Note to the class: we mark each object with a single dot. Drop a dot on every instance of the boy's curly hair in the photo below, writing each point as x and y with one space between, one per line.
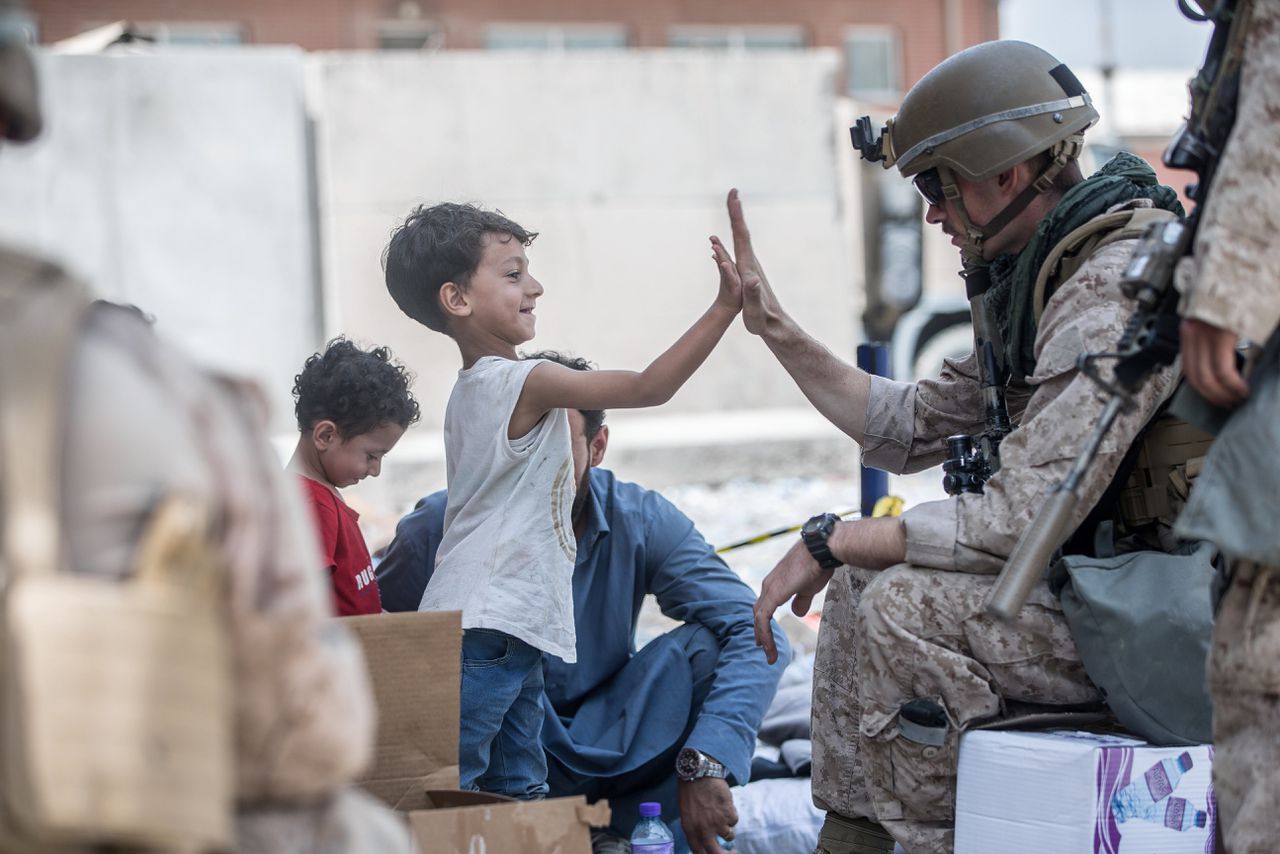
358 390
438 244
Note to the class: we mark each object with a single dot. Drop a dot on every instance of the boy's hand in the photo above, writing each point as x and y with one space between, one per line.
759 305
730 295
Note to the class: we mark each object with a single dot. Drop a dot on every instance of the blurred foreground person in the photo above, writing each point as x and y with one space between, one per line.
171 678
1231 291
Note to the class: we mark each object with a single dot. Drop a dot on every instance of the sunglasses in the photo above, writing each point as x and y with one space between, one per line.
929 185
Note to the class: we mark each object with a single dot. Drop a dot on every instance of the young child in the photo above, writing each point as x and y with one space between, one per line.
352 407
507 552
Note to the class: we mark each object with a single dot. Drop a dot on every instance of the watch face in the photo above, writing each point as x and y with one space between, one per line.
687 762
812 526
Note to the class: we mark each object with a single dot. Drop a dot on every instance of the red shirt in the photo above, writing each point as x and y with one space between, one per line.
355 591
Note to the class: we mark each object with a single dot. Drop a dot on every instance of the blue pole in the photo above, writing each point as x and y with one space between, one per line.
874 359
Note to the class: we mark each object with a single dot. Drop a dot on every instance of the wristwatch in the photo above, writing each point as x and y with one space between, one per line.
692 764
815 533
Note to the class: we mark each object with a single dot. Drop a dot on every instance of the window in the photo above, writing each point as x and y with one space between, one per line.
409 35
737 38
200 33
871 64
555 36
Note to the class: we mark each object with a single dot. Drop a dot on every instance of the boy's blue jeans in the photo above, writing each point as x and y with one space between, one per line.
500 737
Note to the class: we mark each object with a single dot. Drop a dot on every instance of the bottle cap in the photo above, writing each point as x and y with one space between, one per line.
650 809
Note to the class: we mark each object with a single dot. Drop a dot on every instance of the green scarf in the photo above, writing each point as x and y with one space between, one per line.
1009 300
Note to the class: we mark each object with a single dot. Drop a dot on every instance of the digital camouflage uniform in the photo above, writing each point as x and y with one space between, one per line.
1234 283
919 630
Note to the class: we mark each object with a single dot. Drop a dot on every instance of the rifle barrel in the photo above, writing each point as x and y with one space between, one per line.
1035 548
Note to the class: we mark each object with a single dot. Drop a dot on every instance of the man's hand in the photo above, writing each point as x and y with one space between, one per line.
706 809
796 575
760 307
1209 361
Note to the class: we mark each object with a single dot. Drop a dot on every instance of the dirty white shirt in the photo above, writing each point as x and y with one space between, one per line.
507 553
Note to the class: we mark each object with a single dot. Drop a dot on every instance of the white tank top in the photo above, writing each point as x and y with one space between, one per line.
507 553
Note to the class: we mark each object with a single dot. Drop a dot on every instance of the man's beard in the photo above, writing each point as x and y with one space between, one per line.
580 496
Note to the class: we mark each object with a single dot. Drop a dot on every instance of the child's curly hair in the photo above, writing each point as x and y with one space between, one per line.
358 390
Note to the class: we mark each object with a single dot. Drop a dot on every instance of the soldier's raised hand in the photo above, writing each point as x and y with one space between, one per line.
759 305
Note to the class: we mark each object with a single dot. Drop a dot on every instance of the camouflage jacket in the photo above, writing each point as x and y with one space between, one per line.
907 425
1233 279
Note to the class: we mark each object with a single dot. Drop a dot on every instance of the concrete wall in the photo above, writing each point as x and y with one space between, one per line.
622 163
180 182
186 182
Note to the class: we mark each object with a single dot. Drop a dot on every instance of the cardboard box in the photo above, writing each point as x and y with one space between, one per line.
415 665
1082 793
474 823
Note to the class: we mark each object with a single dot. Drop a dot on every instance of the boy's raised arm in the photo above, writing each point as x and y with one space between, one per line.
550 386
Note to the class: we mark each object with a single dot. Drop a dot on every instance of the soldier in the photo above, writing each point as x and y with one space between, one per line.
140 424
1231 291
908 658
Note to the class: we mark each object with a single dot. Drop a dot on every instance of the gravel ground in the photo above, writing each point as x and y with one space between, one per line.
742 508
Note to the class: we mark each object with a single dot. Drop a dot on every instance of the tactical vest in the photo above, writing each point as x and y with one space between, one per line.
115 694
1153 483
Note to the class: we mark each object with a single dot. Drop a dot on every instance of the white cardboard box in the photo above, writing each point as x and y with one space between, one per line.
1081 793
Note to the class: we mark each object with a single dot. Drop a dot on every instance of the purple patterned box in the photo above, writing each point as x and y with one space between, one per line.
1082 793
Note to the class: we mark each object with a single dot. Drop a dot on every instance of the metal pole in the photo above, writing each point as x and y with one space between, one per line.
874 359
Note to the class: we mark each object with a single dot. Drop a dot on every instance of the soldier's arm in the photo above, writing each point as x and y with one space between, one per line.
1231 285
901 426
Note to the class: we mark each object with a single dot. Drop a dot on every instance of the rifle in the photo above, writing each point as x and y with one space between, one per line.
967 467
1150 339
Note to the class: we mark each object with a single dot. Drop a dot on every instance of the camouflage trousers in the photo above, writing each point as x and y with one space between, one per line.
1244 681
909 633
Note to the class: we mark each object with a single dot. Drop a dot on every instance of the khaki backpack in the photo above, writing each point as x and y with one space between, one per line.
115 693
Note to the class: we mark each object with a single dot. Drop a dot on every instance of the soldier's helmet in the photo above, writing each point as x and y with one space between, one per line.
986 109
19 98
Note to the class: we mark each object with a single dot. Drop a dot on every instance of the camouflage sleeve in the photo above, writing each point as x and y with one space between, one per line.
908 423
976 533
1233 280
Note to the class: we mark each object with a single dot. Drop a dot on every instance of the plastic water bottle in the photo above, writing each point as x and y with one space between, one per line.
651 836
1139 799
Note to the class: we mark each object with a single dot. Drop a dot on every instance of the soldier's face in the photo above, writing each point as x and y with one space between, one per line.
983 201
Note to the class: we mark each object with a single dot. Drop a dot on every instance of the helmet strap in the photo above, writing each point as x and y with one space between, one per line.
974 235
1062 153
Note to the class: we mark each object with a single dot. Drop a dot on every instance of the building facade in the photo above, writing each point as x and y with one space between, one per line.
884 47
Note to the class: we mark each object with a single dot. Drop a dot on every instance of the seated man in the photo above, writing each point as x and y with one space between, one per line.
623 725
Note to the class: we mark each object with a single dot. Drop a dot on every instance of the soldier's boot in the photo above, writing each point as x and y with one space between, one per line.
843 835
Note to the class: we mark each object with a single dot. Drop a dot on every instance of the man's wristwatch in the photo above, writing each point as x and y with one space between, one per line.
815 533
692 764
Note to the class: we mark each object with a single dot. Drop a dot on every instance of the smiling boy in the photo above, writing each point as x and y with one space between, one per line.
507 552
